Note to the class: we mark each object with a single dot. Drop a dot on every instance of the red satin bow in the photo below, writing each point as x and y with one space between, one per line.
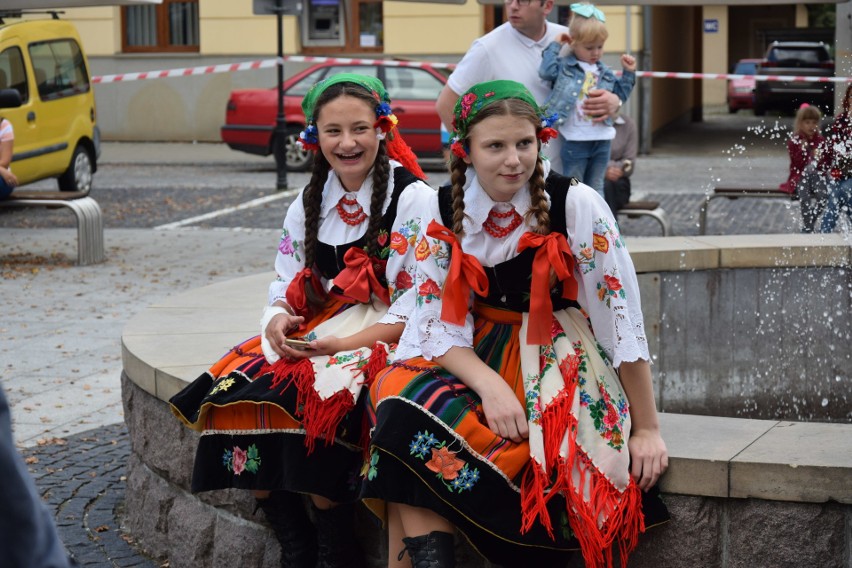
465 274
359 279
297 297
553 253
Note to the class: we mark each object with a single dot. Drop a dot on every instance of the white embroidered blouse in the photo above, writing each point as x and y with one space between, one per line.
289 259
608 288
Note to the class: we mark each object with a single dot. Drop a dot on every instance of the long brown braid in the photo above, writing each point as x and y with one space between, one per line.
458 167
312 196
539 208
312 201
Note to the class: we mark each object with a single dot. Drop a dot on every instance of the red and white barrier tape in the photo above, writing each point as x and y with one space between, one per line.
267 63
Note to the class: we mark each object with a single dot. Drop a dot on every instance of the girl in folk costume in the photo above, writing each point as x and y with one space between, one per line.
282 420
504 415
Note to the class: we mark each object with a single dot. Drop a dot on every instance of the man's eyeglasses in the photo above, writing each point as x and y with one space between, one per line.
520 2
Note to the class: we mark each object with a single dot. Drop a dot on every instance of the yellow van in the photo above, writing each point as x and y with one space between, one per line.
56 134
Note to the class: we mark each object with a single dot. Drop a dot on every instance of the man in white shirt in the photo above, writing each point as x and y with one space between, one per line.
513 51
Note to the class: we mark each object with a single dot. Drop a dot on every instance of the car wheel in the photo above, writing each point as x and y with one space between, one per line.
731 109
297 158
78 176
759 109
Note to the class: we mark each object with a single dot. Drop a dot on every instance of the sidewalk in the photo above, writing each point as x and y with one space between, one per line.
60 335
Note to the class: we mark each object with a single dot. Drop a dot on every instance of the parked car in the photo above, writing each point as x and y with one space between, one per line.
795 58
56 132
741 91
251 113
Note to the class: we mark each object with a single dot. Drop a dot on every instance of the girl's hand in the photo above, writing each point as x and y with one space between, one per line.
628 62
323 346
276 332
504 414
9 177
648 456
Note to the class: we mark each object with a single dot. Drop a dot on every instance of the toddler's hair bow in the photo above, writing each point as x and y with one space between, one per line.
588 11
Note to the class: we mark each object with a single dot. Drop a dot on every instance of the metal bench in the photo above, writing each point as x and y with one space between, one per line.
736 192
634 209
90 225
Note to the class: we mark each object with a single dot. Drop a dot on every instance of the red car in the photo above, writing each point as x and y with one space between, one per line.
741 91
251 113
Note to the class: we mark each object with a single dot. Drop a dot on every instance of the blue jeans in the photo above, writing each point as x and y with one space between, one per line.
586 161
5 189
839 199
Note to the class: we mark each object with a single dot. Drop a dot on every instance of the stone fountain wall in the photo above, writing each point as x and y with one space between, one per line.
728 332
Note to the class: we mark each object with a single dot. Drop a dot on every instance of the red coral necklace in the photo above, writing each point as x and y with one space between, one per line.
498 232
354 217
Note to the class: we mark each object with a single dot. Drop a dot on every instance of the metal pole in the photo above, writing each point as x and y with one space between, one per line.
280 135
645 83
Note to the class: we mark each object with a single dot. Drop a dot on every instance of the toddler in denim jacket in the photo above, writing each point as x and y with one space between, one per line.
585 139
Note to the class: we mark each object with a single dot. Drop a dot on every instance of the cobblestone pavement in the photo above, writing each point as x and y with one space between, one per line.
82 480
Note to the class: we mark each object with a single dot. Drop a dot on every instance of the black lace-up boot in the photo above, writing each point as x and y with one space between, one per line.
286 514
434 550
338 544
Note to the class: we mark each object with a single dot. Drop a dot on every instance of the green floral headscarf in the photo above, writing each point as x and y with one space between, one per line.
385 119
481 95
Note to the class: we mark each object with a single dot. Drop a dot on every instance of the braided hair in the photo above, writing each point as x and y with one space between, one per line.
312 196
539 208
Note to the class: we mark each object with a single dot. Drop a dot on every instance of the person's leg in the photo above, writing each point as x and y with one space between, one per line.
28 535
832 208
396 547
337 544
574 159
846 199
430 542
808 205
285 512
596 164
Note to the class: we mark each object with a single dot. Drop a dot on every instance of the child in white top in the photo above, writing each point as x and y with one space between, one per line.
585 139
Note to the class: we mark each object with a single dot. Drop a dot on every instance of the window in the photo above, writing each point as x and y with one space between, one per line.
410 83
337 26
59 69
12 72
170 26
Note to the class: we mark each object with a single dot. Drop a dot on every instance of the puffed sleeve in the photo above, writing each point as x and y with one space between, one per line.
426 333
608 288
290 258
399 272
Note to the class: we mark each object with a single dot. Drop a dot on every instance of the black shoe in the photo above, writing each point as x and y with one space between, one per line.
286 514
434 550
337 544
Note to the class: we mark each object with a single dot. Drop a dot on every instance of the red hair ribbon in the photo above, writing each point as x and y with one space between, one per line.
553 254
297 297
465 274
359 279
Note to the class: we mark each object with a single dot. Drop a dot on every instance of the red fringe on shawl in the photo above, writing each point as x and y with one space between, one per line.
378 361
320 416
622 511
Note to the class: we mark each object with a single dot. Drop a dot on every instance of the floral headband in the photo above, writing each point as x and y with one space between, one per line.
481 95
385 119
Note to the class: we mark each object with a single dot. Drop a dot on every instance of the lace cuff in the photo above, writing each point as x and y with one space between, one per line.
631 344
438 336
400 309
